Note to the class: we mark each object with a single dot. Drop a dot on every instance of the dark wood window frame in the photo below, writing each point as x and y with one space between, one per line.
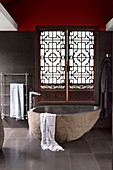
37 73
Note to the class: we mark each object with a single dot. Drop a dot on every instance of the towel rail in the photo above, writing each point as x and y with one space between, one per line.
14 74
3 94
9 84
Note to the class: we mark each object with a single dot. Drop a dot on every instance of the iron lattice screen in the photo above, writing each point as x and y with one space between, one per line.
81 60
52 62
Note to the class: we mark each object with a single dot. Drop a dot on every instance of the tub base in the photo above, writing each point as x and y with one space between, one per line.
69 127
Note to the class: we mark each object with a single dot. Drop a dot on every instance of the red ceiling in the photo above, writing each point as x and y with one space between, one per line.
5 1
31 13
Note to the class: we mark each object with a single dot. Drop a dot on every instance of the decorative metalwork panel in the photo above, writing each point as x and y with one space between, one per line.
81 86
81 60
52 61
52 86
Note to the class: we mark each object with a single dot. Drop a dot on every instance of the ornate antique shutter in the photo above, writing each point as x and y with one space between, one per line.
81 66
52 66
66 65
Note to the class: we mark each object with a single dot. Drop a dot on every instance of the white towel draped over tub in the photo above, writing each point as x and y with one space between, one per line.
17 101
47 126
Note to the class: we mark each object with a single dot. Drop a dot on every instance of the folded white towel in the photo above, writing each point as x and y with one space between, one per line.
17 101
47 126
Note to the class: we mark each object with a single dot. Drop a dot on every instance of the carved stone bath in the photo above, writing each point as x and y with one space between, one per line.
72 121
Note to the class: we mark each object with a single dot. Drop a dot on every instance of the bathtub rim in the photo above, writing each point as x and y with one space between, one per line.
32 110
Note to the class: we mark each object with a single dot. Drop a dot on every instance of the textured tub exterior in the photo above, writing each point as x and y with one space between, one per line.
68 127
1 134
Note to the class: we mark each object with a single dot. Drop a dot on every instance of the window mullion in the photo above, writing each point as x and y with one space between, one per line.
67 50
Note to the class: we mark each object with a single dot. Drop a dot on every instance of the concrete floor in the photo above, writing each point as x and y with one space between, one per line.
21 151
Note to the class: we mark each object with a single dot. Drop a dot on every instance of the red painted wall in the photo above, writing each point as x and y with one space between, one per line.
31 13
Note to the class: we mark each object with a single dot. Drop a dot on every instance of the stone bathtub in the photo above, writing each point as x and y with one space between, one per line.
72 121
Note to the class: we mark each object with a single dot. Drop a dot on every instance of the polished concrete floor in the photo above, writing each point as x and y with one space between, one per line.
22 151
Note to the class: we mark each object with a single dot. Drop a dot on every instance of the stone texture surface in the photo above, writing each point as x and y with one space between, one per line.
1 134
68 127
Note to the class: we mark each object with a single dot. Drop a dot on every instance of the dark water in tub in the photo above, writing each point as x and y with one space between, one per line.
65 109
